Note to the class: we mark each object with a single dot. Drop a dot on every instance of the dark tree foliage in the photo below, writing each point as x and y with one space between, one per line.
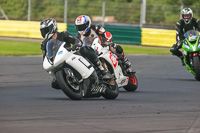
158 12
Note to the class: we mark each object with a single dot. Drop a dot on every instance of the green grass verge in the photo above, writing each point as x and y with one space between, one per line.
134 49
18 48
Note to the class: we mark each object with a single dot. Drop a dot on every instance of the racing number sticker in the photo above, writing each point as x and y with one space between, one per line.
87 64
113 59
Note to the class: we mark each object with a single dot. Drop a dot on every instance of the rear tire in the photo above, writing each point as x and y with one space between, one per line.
132 84
111 92
197 67
67 88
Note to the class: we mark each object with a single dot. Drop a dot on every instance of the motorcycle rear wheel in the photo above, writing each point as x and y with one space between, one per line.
197 67
69 90
132 84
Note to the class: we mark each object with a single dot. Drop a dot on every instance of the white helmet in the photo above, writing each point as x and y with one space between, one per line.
83 24
187 15
48 28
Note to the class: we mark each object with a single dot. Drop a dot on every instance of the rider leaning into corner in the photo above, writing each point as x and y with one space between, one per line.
118 50
186 23
49 30
86 29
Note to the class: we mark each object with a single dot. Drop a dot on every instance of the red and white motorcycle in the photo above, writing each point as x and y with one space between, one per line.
115 66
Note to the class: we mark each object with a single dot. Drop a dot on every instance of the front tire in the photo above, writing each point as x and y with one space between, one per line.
132 84
68 88
197 67
112 91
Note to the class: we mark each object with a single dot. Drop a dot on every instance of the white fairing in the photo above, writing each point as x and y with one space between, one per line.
81 65
112 59
76 61
46 65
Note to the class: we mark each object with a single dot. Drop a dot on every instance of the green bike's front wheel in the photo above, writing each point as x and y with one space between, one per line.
196 67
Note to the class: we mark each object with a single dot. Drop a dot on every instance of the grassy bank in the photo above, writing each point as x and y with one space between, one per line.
134 49
18 48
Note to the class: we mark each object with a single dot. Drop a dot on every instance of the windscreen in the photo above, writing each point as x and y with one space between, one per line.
88 41
191 35
52 48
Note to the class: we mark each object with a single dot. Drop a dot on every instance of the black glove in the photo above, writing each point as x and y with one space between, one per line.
114 45
119 49
76 47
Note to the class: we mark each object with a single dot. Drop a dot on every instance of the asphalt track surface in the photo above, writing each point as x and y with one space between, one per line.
167 101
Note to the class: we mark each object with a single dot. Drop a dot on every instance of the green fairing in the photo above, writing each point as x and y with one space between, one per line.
191 45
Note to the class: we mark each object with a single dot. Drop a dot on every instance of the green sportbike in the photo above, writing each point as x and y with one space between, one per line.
191 52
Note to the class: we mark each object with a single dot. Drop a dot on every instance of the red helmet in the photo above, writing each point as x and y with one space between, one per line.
108 37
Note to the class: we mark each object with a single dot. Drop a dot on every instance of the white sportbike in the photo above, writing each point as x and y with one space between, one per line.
75 75
116 67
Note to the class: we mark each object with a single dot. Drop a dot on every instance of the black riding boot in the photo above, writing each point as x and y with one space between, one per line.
175 51
54 84
127 64
182 58
106 75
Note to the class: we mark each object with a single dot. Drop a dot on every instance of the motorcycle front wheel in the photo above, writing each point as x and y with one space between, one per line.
197 67
70 89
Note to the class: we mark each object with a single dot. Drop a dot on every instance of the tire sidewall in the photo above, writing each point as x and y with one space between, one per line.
197 67
66 88
111 94
130 86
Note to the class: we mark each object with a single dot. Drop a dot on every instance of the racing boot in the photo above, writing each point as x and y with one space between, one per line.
175 51
105 74
127 64
182 60
54 84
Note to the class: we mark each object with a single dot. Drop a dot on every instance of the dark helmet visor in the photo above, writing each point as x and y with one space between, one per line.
46 30
82 27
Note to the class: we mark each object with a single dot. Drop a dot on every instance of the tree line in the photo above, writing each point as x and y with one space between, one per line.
158 12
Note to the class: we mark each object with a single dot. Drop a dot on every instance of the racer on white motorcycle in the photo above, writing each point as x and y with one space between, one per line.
48 29
76 76
86 29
